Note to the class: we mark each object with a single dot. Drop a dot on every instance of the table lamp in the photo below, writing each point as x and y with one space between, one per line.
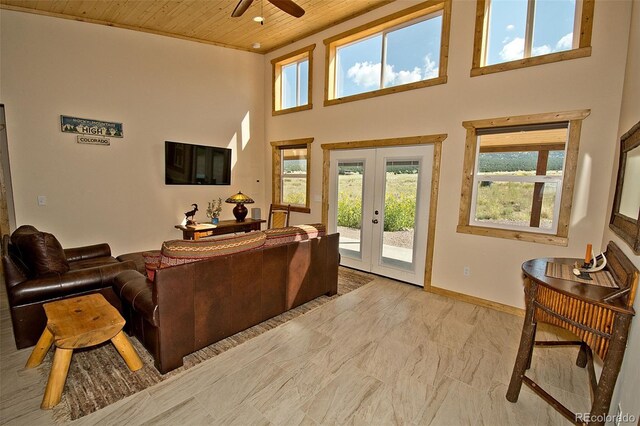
239 211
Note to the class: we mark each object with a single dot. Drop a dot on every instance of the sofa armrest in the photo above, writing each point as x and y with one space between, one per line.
57 286
87 252
174 293
136 291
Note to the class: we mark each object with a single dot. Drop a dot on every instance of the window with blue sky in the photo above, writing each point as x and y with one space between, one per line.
398 55
520 29
406 50
295 82
292 81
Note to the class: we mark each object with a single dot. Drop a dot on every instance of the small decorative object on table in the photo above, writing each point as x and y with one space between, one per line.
191 214
239 211
214 210
591 263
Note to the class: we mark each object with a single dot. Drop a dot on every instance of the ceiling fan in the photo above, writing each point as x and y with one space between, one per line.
287 6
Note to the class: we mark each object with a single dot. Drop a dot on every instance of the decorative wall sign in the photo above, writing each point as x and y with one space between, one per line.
93 140
86 126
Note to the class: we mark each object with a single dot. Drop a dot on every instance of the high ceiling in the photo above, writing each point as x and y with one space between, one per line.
207 21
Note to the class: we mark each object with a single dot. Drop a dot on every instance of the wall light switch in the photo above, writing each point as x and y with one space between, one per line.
42 200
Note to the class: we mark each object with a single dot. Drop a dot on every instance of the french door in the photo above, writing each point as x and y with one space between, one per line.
379 203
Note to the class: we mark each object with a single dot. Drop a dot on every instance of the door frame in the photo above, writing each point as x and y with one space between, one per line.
436 140
7 209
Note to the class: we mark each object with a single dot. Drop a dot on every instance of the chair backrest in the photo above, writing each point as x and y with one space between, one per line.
278 216
624 273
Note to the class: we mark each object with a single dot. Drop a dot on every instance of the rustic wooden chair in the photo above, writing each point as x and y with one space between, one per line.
278 216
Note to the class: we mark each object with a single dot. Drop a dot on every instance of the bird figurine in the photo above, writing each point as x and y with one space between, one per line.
191 214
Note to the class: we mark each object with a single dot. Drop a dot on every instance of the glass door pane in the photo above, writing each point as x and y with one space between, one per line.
400 204
349 211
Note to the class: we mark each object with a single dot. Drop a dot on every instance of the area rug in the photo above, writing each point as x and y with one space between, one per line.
99 377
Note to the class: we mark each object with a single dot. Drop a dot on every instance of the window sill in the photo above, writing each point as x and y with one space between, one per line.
289 110
533 61
387 91
531 237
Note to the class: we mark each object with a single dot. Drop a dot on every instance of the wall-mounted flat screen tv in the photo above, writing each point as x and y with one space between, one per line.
187 164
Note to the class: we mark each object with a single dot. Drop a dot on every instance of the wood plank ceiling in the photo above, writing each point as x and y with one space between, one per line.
206 21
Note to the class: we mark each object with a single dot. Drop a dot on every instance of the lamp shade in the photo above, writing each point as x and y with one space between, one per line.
239 198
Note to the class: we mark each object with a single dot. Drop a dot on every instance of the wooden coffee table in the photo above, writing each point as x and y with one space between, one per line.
74 323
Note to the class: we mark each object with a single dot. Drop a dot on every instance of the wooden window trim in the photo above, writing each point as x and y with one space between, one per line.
276 171
276 71
571 159
395 19
479 44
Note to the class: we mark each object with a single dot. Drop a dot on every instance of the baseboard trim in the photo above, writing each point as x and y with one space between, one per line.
476 300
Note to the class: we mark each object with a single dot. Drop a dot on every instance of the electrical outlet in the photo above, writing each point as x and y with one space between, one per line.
466 271
42 200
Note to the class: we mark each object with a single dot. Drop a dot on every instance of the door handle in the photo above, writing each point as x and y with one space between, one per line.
374 221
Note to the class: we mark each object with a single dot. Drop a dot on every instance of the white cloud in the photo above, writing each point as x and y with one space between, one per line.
513 50
431 69
510 27
394 78
565 43
365 74
541 50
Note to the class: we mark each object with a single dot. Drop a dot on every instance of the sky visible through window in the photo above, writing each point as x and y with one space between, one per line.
412 54
295 79
552 28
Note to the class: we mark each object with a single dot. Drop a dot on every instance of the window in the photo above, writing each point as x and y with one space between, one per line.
291 173
519 174
513 34
403 51
292 81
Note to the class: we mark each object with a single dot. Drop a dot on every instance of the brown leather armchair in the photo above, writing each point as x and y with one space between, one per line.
38 270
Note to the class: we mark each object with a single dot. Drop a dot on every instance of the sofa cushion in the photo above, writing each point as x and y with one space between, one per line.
40 251
178 252
293 233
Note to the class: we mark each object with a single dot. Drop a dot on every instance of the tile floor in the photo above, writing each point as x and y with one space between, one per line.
387 353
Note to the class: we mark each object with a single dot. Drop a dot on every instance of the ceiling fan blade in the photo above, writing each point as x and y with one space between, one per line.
241 8
288 6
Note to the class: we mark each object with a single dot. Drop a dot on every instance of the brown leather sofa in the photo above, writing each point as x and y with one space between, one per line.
38 270
188 307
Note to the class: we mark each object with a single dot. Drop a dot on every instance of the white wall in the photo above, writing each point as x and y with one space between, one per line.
160 88
594 83
627 387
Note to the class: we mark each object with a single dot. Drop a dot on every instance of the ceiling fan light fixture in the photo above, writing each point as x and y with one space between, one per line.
258 19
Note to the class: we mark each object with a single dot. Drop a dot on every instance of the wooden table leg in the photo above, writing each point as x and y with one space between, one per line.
581 361
40 350
610 369
57 378
526 344
128 352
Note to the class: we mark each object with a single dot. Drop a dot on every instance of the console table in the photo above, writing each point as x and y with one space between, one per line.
599 316
223 227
